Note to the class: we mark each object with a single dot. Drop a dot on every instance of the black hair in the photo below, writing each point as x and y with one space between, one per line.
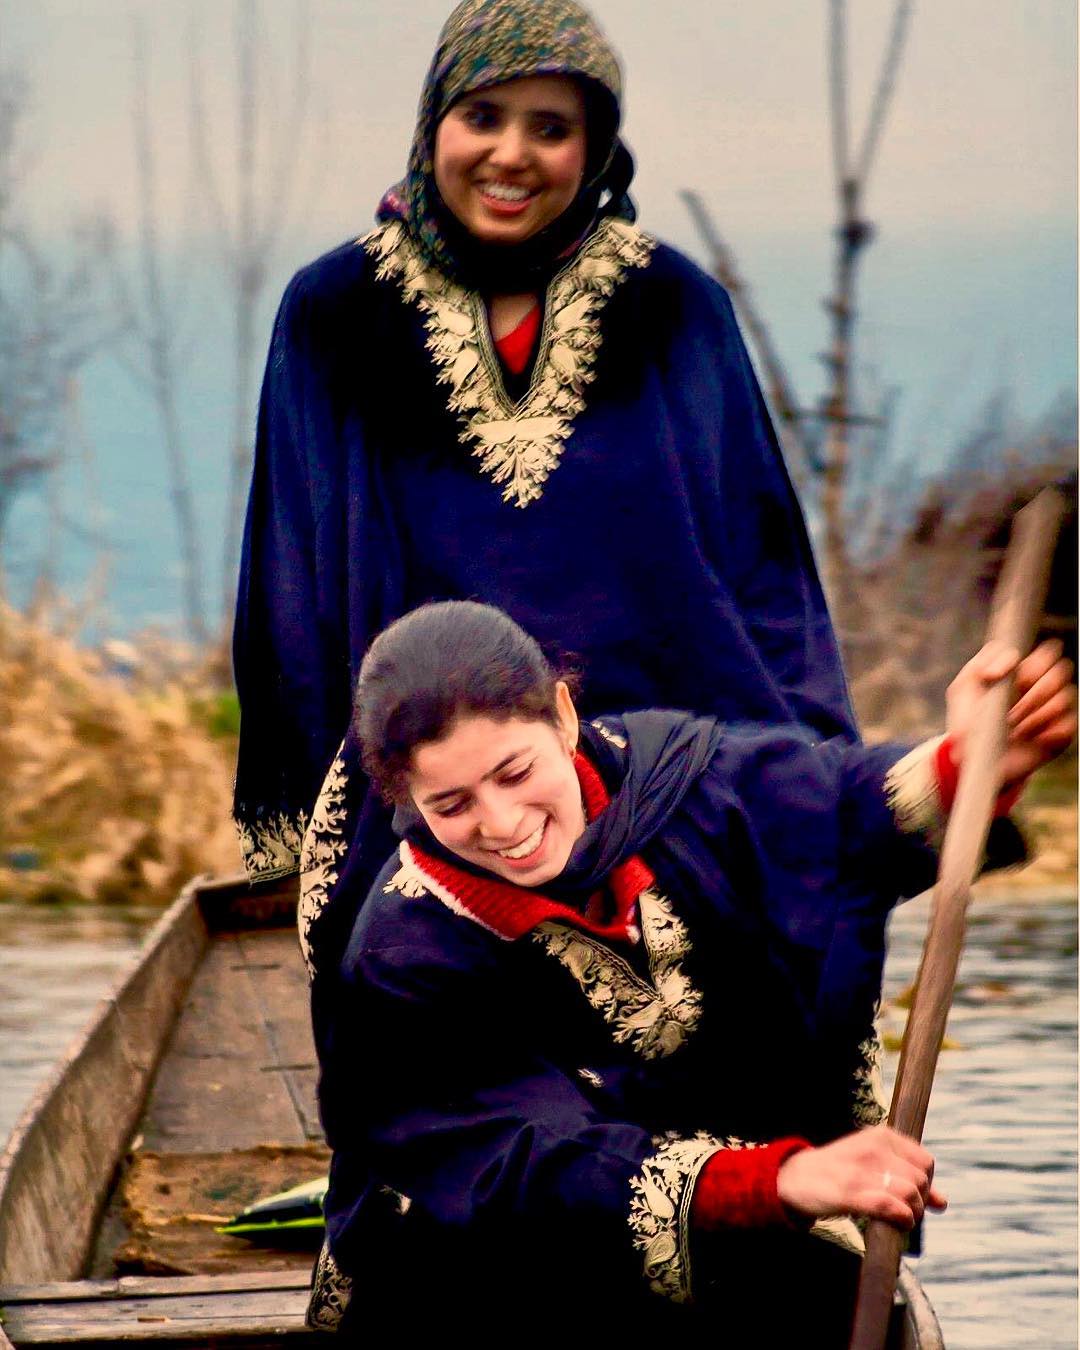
433 665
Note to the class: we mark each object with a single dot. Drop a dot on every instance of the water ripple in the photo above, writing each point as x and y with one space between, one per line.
1001 1264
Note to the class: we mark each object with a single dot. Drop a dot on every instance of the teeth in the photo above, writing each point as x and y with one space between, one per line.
504 192
526 847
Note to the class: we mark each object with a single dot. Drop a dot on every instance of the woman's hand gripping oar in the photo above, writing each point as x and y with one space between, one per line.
985 766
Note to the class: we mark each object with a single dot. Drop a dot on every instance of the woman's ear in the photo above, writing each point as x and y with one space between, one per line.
567 713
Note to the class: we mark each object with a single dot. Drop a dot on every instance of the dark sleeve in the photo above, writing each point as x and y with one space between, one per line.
893 819
501 1153
290 664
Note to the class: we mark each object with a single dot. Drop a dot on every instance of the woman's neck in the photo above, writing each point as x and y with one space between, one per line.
505 312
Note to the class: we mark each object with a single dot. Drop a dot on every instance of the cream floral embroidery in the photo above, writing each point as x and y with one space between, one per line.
271 848
660 1206
841 1232
518 445
612 737
911 791
656 1019
331 1290
869 1105
323 847
408 879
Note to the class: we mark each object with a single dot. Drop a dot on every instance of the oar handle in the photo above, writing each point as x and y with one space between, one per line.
1014 617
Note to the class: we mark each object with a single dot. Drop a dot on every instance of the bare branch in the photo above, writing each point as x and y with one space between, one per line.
160 347
281 180
883 93
838 91
200 148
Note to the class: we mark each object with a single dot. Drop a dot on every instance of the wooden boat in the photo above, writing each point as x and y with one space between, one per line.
190 1094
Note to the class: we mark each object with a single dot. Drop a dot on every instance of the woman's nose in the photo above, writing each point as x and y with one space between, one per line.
498 818
510 150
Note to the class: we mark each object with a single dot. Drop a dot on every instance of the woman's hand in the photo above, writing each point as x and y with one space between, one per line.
875 1173
1042 719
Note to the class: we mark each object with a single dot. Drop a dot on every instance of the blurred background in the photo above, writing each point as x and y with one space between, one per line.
888 191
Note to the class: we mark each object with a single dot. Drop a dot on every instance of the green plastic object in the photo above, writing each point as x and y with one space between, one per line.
289 1218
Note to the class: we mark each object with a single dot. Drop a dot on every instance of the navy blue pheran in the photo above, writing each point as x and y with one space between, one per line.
632 510
546 1099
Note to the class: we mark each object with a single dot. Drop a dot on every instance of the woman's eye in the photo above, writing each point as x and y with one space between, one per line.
518 776
480 119
451 809
553 131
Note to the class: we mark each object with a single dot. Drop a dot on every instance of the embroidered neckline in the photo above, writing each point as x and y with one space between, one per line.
656 1015
518 444
655 1018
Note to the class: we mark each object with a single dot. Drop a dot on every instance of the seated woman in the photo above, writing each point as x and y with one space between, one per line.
598 1041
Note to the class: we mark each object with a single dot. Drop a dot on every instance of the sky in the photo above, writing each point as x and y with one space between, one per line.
969 285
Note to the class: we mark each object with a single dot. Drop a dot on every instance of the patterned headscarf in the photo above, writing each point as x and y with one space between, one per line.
486 42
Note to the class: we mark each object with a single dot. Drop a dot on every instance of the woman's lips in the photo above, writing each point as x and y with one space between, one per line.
504 206
526 860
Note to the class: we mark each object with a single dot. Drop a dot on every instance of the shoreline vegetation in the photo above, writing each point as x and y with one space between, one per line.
117 765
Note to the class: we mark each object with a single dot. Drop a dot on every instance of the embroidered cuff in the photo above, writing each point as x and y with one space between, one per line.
737 1188
660 1202
331 1290
270 846
911 789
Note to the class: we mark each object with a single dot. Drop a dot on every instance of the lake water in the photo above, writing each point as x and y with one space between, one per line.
1000 1265
56 962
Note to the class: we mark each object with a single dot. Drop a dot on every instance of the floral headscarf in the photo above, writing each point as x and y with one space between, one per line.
487 42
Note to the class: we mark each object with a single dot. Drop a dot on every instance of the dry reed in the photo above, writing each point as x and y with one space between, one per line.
115 785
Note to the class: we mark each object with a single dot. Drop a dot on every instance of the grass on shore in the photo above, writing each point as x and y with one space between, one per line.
117 766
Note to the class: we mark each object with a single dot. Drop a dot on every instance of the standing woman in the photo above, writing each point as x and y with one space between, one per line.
509 392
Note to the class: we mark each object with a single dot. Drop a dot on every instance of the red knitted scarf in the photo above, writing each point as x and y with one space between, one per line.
512 911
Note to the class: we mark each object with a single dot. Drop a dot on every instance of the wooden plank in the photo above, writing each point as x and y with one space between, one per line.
218 1088
303 1087
63 1152
150 1286
281 985
259 1312
279 981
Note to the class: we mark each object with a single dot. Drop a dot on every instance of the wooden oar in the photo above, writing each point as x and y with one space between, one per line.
1014 617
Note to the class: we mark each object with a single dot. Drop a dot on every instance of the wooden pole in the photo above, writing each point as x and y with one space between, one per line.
1014 617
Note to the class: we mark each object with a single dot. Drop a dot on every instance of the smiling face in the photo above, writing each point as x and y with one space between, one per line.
503 795
509 159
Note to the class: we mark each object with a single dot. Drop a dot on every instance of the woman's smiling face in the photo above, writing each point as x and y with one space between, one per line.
509 159
503 795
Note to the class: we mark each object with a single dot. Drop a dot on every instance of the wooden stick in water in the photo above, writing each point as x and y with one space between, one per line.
1014 618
